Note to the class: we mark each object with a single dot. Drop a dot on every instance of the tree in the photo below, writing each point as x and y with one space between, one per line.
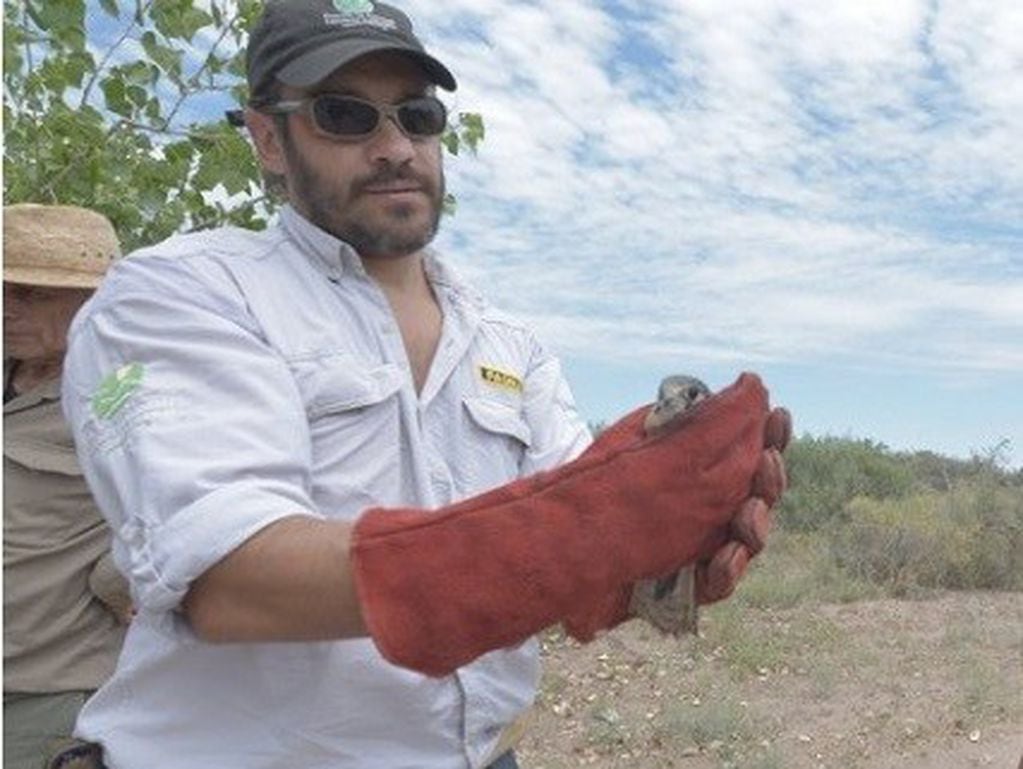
115 112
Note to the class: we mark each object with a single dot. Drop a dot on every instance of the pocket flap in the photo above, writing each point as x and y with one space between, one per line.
496 417
341 383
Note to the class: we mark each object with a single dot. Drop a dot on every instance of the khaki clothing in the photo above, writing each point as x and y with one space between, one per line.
58 635
36 726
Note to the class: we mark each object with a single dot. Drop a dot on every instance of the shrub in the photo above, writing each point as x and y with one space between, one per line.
968 538
800 567
826 473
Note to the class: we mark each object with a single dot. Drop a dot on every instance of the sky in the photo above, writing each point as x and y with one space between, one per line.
828 194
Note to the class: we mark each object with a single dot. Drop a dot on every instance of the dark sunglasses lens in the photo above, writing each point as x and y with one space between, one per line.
423 117
342 116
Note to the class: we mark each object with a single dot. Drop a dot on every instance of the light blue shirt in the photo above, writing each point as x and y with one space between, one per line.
221 381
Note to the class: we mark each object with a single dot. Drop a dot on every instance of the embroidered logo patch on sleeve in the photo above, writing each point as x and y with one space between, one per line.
115 390
501 379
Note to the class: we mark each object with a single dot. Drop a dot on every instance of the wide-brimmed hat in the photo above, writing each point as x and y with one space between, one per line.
301 42
59 246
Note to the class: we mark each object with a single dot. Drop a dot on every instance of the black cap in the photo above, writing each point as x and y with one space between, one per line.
301 42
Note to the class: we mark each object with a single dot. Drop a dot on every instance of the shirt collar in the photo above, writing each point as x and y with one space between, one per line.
42 393
334 257
449 284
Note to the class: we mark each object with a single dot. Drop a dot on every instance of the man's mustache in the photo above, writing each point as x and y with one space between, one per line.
389 175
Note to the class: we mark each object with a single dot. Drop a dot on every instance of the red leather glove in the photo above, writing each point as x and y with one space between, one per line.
717 573
438 589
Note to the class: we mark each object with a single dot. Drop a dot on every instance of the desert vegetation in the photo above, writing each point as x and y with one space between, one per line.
882 628
899 523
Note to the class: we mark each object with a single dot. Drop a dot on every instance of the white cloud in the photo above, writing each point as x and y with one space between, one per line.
791 181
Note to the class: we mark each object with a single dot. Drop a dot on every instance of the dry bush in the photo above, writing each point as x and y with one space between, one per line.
970 537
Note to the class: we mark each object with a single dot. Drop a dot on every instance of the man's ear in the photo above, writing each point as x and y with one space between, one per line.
265 135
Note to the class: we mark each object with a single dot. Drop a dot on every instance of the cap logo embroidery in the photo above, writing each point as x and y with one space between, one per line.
358 13
353 6
500 379
114 391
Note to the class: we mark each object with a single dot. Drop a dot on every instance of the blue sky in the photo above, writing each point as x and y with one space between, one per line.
830 194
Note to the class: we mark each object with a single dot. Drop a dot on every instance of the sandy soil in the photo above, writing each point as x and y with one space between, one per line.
925 684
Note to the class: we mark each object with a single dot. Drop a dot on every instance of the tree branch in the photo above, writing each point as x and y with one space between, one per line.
193 82
161 131
140 11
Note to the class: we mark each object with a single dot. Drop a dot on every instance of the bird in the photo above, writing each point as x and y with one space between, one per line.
676 394
669 603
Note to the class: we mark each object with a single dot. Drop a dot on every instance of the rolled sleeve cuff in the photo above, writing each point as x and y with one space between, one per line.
167 557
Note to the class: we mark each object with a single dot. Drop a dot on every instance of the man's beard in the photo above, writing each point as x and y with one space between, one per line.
325 205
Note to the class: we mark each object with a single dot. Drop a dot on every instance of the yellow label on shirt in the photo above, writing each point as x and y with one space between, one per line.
501 379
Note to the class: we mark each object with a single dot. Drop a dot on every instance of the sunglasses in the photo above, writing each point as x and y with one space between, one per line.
348 118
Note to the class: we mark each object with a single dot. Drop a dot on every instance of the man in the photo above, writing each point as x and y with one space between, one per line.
64 603
308 441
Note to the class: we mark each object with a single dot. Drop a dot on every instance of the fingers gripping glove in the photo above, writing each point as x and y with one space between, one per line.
438 589
718 572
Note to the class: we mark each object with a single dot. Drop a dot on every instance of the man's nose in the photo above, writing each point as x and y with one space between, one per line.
390 143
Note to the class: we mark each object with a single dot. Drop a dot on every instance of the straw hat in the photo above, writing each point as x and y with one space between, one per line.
60 246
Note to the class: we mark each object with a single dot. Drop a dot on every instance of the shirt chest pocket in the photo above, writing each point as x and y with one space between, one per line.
499 439
339 385
353 408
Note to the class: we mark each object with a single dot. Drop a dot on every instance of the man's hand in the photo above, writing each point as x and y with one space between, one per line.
670 602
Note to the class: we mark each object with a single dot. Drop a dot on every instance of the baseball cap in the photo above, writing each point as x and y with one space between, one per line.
57 246
301 42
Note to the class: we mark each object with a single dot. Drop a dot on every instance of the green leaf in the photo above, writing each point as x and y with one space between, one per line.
137 73
63 19
179 153
163 56
451 142
471 130
450 204
54 75
178 19
153 111
137 95
113 88
14 39
225 159
79 64
248 13
110 6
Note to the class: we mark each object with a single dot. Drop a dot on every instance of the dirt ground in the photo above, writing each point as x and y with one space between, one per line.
922 684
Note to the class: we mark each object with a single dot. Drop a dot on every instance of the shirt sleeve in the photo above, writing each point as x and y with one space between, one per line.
558 432
188 426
